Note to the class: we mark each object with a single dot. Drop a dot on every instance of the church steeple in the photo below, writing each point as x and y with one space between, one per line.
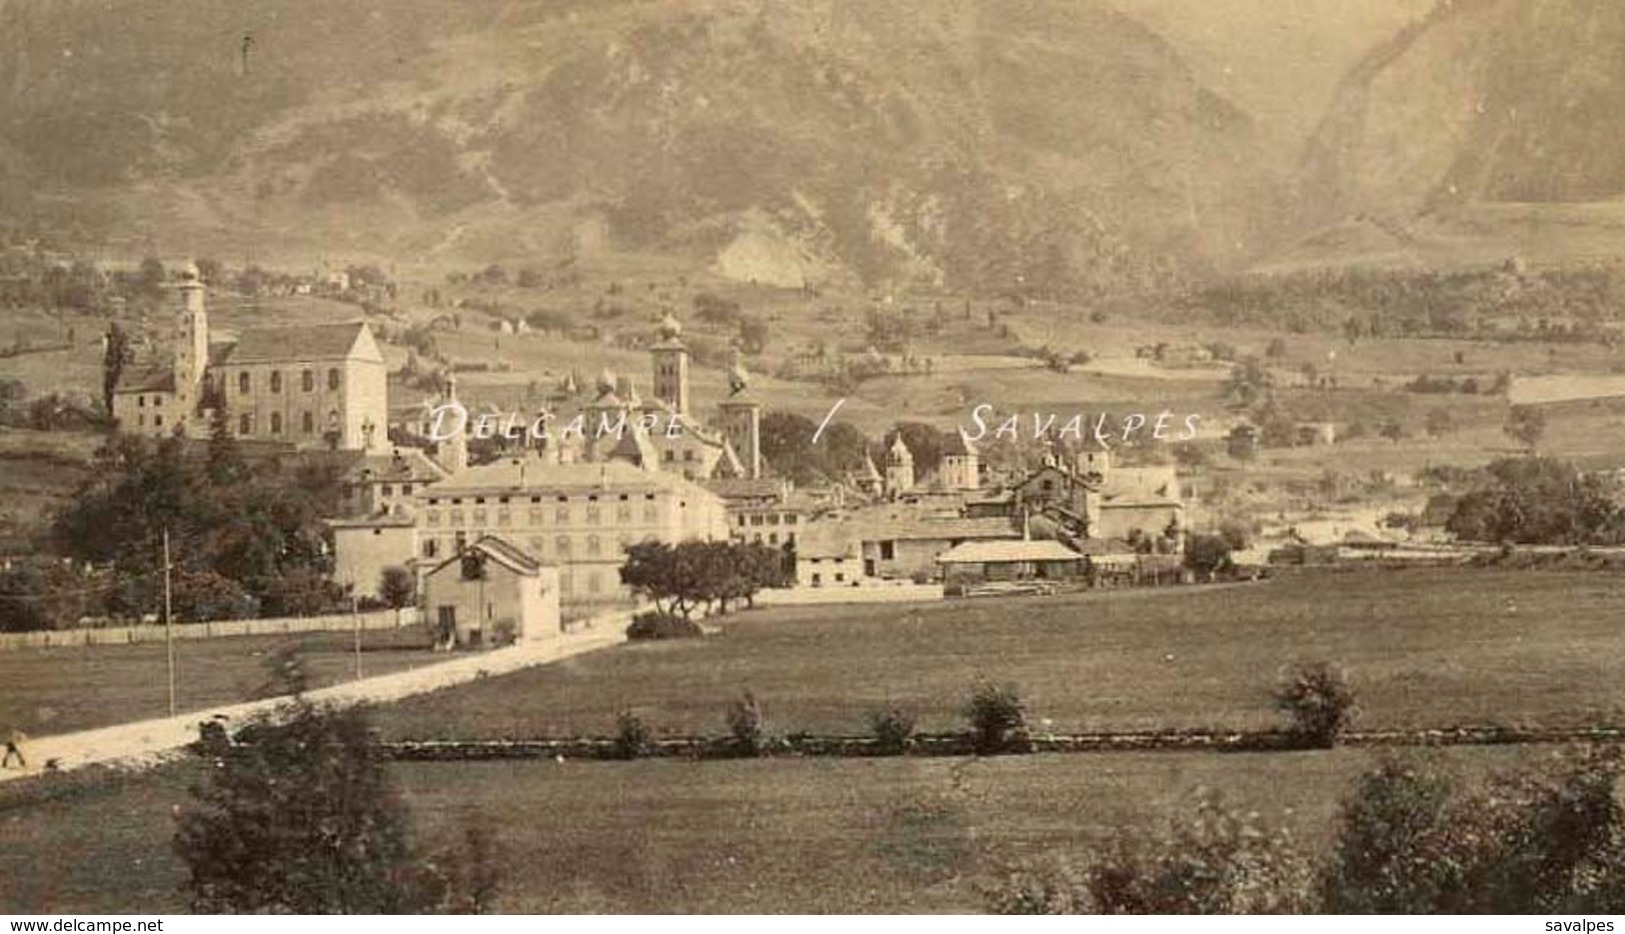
452 451
671 366
191 338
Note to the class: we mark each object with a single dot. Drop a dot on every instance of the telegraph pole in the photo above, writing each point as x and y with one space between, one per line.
169 625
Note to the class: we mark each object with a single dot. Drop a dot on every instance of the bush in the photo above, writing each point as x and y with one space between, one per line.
998 719
893 730
1550 842
657 625
504 632
1219 862
339 842
1319 702
632 736
747 726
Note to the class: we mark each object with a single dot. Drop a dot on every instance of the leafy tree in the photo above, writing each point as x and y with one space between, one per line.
117 354
1549 841
1318 701
925 442
396 587
1439 423
747 725
1207 555
1249 383
301 817
632 737
210 270
998 719
1216 861
200 595
893 730
753 335
1536 500
263 531
1526 425
151 278
42 594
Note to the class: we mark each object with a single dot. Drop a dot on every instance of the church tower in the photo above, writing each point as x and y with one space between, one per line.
742 421
671 366
452 452
190 345
961 464
899 468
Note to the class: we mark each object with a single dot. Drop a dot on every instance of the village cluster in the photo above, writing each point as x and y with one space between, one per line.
557 513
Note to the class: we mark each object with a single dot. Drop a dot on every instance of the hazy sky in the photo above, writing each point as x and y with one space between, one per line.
1278 59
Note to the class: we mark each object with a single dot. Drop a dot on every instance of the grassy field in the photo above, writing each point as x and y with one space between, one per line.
882 835
1424 648
46 691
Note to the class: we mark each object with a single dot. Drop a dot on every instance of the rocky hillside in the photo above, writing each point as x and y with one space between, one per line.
1479 105
1000 144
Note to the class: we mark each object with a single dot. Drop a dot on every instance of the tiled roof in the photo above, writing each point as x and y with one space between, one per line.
993 552
958 444
295 343
408 465
746 487
532 473
148 381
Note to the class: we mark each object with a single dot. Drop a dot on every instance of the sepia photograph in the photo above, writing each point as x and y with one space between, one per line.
812 457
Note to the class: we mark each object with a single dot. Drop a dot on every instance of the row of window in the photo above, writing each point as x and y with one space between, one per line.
307 423
771 518
562 497
307 381
141 402
771 539
157 421
537 515
561 548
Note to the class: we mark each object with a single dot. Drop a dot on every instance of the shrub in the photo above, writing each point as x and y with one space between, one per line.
657 625
1218 862
504 632
893 730
340 838
747 726
998 719
1319 702
632 736
1549 842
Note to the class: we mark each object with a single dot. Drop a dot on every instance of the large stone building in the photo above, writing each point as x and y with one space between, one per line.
580 517
312 386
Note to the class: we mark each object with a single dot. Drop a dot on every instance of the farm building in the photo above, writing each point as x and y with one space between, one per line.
1023 559
492 594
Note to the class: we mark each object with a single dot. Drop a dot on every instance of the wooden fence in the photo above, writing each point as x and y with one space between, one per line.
134 635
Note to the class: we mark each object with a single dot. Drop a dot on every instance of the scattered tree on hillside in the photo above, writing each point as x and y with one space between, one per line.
1526 425
1439 423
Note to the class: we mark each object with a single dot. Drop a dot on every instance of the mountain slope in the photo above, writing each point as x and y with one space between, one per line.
1481 103
995 144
